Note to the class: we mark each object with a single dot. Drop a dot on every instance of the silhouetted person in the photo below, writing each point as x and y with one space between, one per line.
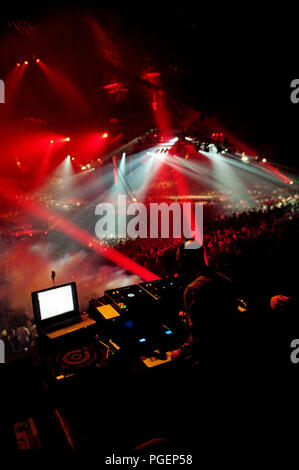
210 306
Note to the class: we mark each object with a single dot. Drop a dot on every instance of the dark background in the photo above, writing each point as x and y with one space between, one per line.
233 62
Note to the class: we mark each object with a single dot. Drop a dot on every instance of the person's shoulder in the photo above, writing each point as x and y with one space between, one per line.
200 281
207 278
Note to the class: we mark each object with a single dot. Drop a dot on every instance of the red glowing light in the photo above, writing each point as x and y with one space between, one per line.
67 139
18 64
26 62
105 135
152 75
37 61
51 141
111 85
154 105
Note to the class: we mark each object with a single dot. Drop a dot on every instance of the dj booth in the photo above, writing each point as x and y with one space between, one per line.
109 371
105 380
139 322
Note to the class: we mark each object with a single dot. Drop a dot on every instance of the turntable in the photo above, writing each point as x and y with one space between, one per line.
81 359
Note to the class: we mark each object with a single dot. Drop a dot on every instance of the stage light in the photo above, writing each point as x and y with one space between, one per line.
83 167
264 160
26 62
51 141
18 64
212 149
37 61
105 135
291 182
67 139
73 158
68 156
244 158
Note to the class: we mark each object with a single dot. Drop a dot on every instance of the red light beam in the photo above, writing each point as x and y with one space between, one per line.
75 232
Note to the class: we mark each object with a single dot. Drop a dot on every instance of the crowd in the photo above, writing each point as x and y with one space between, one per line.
224 239
17 331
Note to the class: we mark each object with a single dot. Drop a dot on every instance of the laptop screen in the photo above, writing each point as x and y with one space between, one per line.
55 302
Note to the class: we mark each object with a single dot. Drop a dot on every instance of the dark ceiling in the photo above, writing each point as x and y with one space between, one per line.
235 63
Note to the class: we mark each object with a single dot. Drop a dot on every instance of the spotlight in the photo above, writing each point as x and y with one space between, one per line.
18 64
67 139
291 182
105 135
51 141
26 62
264 160
244 158
37 61
73 158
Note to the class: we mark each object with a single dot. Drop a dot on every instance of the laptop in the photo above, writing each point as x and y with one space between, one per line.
56 308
